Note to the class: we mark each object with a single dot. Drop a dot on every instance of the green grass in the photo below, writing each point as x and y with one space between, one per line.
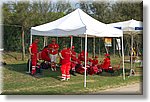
16 81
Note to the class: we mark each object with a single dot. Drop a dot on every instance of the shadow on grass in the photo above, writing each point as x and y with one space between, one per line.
22 68
115 73
50 73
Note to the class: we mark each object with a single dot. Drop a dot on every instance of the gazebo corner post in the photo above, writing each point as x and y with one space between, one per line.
71 42
85 60
81 44
114 44
123 59
131 66
30 39
30 55
99 50
94 46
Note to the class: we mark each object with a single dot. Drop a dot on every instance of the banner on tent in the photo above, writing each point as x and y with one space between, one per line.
108 42
118 46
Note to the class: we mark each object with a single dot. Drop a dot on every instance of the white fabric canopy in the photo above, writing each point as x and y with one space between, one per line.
77 23
130 25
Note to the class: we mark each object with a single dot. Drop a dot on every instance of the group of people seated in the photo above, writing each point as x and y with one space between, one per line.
70 62
93 66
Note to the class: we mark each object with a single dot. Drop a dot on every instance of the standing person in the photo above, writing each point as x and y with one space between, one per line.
53 53
73 61
33 50
65 55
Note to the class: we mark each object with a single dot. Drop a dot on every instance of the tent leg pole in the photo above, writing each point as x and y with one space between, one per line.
106 49
31 39
114 46
81 44
29 55
131 69
85 60
99 47
71 41
44 41
123 59
93 46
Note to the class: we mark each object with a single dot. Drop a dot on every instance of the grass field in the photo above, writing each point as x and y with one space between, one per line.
16 81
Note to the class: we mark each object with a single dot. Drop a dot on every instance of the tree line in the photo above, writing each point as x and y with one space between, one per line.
21 16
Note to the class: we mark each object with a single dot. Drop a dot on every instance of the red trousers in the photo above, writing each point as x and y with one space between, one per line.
65 70
34 62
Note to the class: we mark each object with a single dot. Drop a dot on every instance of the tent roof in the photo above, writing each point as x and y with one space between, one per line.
130 25
77 23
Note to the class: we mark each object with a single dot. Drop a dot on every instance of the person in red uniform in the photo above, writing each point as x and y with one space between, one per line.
93 69
45 54
81 59
33 50
65 56
95 61
73 61
81 56
106 62
53 53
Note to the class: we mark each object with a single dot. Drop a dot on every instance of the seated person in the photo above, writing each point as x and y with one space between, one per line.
45 54
106 63
93 69
81 56
95 61
80 67
73 61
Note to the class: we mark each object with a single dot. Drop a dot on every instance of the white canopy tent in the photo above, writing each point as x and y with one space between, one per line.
128 26
78 23
131 27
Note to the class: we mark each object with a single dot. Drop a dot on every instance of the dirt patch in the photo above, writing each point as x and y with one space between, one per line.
135 88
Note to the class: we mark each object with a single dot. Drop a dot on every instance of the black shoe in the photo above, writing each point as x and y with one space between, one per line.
74 74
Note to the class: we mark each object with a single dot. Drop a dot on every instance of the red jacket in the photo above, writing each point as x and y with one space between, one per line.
94 61
81 56
34 48
73 56
66 54
106 63
53 48
45 54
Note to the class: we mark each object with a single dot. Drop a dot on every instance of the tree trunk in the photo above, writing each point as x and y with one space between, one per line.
23 45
